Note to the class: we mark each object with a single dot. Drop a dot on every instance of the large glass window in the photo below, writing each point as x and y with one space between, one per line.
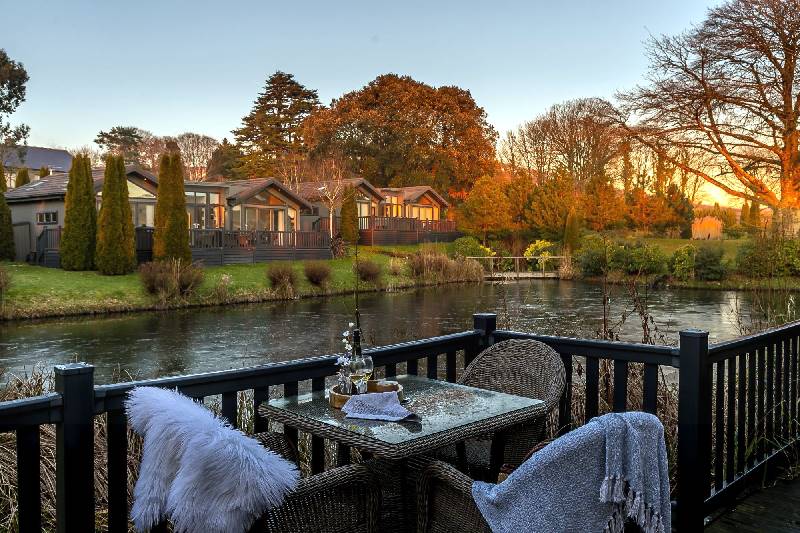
144 214
236 222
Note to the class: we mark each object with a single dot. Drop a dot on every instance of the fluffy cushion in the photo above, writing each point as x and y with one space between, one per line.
198 470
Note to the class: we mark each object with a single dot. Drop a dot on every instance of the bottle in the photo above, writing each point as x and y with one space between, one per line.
357 365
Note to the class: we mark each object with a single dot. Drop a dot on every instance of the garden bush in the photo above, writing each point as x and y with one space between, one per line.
170 280
469 247
368 271
639 259
708 265
595 254
682 262
318 273
768 257
282 278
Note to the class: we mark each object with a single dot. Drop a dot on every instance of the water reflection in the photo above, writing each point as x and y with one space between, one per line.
196 340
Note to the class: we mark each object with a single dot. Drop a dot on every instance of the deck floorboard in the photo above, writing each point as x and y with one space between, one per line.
775 509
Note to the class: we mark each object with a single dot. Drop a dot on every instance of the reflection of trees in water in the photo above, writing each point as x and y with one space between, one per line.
172 339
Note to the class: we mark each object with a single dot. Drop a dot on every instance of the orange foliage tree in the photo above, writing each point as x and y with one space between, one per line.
486 208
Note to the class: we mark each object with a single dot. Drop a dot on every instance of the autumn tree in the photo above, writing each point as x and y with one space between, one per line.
486 208
7 251
171 233
603 206
196 152
23 177
754 216
80 218
744 216
727 88
115 251
396 131
272 130
124 141
548 207
13 78
348 214
225 163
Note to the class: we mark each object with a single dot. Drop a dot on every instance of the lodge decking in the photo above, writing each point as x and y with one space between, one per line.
387 231
736 421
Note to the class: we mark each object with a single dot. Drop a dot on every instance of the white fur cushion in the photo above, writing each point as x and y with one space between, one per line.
198 470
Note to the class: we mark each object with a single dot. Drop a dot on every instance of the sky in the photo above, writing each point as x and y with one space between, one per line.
175 66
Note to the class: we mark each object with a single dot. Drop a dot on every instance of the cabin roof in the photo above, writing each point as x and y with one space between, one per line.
414 193
241 190
36 157
310 190
54 186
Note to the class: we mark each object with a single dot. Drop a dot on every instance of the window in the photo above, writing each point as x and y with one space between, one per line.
47 217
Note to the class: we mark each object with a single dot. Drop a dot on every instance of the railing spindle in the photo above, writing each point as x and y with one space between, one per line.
794 387
411 367
290 389
785 411
650 388
260 395
620 386
117 464
230 407
762 398
432 367
391 370
592 387
317 443
29 494
730 424
565 404
719 424
752 406
451 366
769 412
741 428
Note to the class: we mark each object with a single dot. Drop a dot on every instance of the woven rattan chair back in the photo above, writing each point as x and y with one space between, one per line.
519 366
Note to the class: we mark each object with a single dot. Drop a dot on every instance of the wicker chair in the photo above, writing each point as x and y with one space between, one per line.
444 501
522 367
343 499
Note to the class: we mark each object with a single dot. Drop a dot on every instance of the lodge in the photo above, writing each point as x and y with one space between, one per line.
240 221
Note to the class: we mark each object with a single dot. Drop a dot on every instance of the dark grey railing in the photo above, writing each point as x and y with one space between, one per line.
736 414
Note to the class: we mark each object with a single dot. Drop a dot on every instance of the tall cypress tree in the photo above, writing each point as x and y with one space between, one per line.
572 231
116 249
6 231
3 184
22 177
744 216
755 216
348 213
80 220
171 235
44 172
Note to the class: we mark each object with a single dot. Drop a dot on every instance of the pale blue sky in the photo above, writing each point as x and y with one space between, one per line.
175 66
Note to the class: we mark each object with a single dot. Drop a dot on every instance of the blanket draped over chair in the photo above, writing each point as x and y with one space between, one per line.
198 470
592 479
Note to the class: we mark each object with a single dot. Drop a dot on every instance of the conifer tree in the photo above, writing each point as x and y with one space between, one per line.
22 177
44 172
348 213
744 217
116 250
572 231
171 235
3 184
6 231
755 216
80 219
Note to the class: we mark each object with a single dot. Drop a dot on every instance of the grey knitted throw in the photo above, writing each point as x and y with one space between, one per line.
592 479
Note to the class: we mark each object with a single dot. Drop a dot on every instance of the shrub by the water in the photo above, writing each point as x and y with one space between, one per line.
469 247
368 271
708 265
595 255
116 249
318 273
170 280
639 259
682 263
282 278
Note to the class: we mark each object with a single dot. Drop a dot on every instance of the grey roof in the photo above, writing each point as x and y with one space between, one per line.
414 193
240 190
310 190
36 157
54 186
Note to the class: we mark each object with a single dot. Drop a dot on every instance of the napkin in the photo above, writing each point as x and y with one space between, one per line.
375 406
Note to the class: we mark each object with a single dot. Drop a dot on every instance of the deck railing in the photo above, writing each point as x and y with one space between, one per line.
405 224
736 414
250 239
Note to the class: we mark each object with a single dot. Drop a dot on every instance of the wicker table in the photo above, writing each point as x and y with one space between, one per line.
446 413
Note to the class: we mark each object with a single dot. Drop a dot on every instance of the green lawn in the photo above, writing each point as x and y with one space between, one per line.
730 246
38 291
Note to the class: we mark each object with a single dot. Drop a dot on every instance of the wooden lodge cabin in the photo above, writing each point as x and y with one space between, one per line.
394 215
230 222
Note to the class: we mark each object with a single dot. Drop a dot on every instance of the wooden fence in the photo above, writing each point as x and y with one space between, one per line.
736 415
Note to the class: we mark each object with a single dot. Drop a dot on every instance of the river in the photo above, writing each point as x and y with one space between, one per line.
196 340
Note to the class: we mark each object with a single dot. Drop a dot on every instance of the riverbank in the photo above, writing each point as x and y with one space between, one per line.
38 292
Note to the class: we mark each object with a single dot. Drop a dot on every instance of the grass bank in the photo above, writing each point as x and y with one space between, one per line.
38 292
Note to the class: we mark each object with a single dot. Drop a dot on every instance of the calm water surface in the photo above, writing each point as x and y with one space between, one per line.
196 340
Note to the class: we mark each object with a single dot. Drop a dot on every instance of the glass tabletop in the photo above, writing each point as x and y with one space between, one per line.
438 406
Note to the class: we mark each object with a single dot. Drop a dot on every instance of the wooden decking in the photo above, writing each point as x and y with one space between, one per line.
775 509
